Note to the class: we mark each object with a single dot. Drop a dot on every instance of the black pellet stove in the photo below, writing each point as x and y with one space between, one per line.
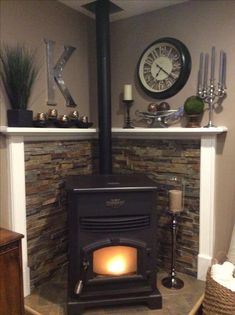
112 218
112 241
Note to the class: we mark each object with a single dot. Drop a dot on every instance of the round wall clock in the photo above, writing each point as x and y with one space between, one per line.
164 68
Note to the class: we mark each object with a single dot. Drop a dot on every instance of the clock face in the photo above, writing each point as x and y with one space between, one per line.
164 68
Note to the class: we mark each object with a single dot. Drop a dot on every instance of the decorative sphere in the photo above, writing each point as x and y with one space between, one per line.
84 119
193 105
64 118
41 116
152 107
74 114
163 106
52 113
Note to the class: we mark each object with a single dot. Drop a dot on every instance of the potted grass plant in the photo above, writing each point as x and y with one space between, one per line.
193 109
18 73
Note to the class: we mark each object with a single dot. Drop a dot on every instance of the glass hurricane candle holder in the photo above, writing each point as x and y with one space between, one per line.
176 206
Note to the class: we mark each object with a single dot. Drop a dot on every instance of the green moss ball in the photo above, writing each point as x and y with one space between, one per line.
194 105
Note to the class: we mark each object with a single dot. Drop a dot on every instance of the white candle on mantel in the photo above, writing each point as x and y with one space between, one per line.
127 95
175 200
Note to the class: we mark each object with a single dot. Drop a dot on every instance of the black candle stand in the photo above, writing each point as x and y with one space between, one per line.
172 282
128 122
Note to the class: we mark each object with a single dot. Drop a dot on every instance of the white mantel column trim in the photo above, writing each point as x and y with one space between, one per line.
17 198
16 137
207 204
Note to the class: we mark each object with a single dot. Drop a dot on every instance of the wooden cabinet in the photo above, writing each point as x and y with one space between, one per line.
11 279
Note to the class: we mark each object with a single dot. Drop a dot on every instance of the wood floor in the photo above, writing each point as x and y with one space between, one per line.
50 299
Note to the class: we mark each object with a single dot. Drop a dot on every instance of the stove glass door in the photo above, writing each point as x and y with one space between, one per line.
115 261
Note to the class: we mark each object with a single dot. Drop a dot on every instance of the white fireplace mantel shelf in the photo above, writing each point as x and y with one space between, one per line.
43 134
168 133
16 137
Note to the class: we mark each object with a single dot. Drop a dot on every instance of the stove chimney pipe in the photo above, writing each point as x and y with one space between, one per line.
104 86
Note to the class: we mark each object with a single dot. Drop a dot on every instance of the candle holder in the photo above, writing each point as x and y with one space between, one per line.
128 122
211 96
172 282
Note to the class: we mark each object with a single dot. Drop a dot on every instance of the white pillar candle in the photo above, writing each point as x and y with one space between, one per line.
127 95
175 200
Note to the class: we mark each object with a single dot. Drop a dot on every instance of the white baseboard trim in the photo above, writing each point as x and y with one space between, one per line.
204 262
26 277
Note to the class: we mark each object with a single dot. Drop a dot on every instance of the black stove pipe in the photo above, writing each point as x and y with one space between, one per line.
104 86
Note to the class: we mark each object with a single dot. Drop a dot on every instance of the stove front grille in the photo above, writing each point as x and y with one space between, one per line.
117 224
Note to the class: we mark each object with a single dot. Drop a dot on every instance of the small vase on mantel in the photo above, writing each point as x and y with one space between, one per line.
193 121
19 118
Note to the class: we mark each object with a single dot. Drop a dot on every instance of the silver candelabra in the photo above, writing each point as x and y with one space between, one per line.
211 96
209 93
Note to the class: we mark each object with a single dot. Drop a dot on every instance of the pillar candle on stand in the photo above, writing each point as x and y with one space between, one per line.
127 95
175 206
175 200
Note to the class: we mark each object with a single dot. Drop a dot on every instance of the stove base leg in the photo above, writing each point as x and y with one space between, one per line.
75 310
153 305
152 301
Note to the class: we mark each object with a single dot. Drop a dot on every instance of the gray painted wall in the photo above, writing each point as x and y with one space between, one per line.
199 24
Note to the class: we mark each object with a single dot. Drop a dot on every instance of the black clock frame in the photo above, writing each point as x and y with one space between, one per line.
184 74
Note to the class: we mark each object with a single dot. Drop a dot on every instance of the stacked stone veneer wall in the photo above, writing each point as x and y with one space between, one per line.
48 163
164 160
